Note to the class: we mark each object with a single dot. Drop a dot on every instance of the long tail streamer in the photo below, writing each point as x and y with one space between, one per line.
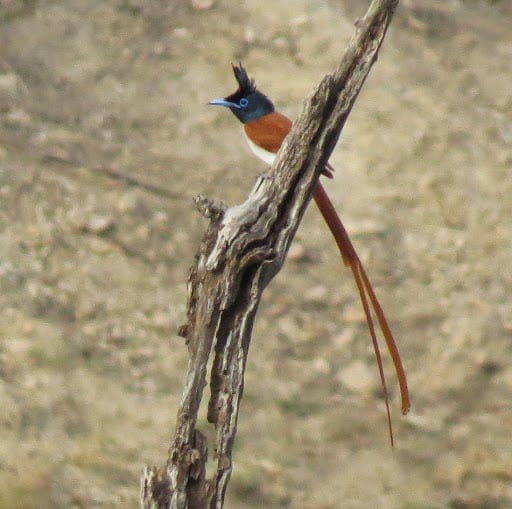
368 297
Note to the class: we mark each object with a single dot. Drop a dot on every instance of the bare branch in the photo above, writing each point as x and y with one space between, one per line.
243 249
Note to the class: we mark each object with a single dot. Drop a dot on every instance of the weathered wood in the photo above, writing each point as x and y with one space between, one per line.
243 248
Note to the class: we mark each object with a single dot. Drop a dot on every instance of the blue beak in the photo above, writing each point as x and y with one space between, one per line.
223 102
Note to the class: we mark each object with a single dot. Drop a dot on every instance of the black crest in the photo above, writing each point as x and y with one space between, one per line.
246 85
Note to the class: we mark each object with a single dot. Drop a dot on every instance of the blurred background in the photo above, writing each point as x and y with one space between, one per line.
105 137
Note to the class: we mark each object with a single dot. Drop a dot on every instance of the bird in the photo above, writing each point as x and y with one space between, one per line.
265 130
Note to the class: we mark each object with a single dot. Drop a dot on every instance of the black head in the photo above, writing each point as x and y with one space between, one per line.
247 103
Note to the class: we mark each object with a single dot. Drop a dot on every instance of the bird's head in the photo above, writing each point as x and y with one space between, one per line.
247 103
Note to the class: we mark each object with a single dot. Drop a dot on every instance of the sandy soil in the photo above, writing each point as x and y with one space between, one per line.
104 140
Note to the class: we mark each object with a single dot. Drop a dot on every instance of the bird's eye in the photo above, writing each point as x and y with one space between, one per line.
244 102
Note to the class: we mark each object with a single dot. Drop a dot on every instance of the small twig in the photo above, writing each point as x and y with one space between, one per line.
243 249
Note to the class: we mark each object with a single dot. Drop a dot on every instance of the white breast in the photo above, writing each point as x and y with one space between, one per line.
263 154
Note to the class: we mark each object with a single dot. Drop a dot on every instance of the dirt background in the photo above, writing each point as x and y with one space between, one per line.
105 137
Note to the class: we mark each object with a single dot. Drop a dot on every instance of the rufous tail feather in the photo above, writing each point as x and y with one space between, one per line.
368 296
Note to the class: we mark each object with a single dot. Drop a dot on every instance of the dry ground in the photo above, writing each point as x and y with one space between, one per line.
96 96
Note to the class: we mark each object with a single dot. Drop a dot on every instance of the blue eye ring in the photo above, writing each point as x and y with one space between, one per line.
243 102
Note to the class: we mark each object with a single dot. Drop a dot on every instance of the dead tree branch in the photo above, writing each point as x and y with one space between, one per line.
243 249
